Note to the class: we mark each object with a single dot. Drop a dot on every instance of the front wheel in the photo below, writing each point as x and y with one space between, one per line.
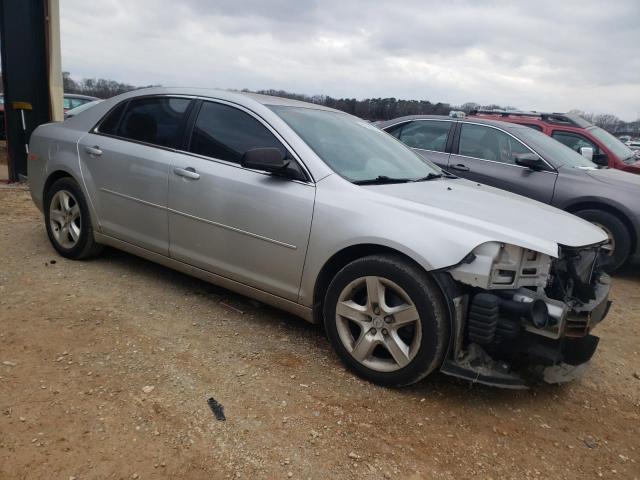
619 245
386 319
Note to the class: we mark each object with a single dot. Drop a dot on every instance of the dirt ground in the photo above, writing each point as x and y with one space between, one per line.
106 367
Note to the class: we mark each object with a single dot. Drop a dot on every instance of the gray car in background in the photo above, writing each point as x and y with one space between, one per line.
522 160
324 215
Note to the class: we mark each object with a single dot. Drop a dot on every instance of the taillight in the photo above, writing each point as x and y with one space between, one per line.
32 156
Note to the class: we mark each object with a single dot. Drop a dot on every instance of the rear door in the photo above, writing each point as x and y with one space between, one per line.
242 224
125 164
486 154
428 138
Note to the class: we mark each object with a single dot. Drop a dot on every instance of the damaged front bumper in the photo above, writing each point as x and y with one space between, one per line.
512 337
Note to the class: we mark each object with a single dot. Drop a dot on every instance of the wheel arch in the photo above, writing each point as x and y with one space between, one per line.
59 173
54 177
348 254
605 207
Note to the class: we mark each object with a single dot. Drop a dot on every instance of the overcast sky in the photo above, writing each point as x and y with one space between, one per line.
542 55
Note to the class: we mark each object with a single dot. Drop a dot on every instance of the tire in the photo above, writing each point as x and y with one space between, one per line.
616 229
65 205
384 345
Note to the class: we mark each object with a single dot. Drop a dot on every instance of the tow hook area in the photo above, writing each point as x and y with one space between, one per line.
477 366
535 358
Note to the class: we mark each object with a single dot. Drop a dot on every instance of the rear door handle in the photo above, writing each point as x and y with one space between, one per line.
461 167
93 151
188 172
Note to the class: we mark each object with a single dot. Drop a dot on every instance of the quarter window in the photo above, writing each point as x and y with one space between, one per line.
488 143
426 135
574 141
226 133
155 120
110 123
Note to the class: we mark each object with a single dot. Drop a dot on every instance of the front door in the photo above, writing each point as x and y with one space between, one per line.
125 164
239 223
487 155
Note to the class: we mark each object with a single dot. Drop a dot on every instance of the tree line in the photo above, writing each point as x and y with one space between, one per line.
369 108
387 108
95 87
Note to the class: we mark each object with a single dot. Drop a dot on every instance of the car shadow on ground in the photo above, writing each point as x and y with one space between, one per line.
630 271
188 285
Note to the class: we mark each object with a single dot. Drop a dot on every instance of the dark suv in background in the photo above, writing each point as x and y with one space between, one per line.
523 160
576 133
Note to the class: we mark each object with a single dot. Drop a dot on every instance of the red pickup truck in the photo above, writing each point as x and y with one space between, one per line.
575 132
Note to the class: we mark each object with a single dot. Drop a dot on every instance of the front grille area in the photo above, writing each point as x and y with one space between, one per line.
577 326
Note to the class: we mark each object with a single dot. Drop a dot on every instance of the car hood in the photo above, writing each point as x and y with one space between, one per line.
617 178
495 214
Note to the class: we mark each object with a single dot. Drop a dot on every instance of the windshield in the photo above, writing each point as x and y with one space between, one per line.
554 152
618 148
354 148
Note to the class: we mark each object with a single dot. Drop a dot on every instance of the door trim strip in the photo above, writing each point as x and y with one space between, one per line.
204 220
234 229
135 199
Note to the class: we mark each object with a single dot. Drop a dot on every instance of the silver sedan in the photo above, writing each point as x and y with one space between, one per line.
409 269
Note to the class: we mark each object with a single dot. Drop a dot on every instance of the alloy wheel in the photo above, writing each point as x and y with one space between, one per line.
65 219
378 324
610 246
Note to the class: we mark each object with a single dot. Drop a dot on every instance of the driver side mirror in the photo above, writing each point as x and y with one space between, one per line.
531 161
265 159
587 152
271 160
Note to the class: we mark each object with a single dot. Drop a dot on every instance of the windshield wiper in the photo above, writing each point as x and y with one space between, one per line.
431 176
380 180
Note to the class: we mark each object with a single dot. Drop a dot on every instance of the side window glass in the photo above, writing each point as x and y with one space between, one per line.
395 130
225 133
66 103
574 141
488 143
110 122
427 135
155 120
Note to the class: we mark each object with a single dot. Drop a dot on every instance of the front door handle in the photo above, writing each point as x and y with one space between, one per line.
93 151
188 172
460 167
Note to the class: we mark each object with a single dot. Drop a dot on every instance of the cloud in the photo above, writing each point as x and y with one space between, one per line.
543 55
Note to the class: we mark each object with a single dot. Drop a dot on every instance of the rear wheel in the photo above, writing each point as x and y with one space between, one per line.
619 245
68 221
387 320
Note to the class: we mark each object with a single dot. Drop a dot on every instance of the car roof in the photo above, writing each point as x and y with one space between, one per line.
570 120
228 95
78 95
483 121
